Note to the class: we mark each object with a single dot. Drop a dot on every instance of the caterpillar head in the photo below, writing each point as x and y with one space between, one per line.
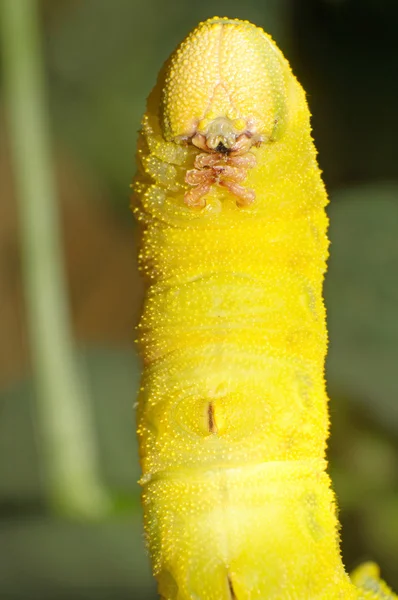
224 88
224 91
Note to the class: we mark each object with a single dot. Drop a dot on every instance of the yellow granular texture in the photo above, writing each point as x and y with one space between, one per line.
232 417
215 72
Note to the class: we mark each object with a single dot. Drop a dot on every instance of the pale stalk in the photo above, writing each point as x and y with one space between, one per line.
66 434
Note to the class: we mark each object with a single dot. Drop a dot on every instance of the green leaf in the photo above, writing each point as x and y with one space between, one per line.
361 293
113 377
46 558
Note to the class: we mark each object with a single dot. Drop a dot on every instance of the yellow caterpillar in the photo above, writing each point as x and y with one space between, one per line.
232 416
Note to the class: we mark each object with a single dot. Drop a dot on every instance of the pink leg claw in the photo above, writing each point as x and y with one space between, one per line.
227 170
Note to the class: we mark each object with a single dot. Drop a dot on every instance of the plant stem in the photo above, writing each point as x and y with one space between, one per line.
64 418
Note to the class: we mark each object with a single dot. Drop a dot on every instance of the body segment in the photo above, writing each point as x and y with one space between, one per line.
232 417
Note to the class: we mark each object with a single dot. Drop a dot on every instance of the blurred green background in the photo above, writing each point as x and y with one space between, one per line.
100 59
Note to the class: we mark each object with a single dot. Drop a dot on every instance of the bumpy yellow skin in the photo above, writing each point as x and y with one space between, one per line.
232 416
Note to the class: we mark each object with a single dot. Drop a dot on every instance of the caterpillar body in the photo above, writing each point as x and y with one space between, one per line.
232 412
